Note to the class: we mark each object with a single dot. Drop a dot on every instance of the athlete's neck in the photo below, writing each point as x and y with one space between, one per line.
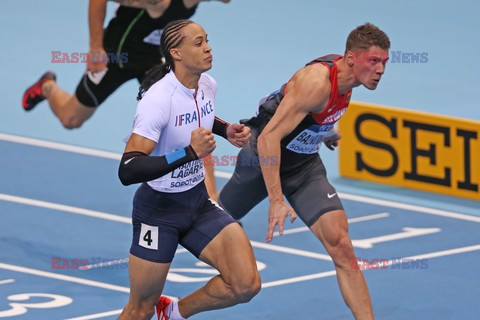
345 78
187 78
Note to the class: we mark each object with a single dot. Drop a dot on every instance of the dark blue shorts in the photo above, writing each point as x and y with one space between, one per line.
162 220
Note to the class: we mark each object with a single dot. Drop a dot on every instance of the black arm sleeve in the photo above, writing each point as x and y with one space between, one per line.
138 167
220 127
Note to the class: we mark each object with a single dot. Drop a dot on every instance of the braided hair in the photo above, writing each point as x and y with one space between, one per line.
171 38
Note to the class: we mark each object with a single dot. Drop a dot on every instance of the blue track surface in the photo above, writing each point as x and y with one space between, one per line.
83 214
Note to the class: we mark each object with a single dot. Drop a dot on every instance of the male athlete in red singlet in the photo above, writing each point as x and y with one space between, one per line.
282 157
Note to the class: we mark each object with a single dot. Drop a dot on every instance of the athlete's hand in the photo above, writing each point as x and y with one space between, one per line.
95 62
202 141
278 212
238 134
331 141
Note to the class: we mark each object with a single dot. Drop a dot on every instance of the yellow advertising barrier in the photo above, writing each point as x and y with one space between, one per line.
411 149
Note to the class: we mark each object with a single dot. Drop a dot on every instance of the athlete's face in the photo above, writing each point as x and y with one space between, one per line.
369 66
194 52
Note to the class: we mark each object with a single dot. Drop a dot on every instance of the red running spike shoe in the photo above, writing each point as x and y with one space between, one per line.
33 95
162 308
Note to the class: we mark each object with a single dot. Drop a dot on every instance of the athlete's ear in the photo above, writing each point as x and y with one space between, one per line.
175 53
349 58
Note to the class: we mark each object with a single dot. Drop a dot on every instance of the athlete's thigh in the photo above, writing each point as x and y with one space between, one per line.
310 193
147 280
330 227
208 222
94 88
231 253
219 241
75 112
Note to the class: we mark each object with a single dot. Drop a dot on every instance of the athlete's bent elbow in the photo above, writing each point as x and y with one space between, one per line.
125 178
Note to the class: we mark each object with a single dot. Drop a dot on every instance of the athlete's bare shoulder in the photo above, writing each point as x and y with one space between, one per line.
312 85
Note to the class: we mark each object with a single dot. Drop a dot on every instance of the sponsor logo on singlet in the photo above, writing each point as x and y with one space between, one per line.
335 117
309 140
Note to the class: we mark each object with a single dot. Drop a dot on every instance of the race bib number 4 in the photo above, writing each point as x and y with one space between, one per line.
148 237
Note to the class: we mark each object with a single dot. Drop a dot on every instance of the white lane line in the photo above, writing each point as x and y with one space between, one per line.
369 217
406 233
255 244
410 207
104 264
442 253
59 146
98 315
56 276
65 208
6 281
78 150
109 263
296 252
226 175
299 279
117 218
389 263
352 220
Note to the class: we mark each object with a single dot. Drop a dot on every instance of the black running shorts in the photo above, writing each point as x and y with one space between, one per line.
93 89
307 190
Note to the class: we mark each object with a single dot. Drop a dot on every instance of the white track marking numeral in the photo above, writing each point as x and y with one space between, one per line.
21 308
180 274
407 233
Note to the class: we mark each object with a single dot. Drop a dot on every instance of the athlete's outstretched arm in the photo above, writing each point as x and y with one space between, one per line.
308 91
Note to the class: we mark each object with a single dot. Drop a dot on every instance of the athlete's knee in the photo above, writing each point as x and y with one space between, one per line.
247 288
341 251
71 121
